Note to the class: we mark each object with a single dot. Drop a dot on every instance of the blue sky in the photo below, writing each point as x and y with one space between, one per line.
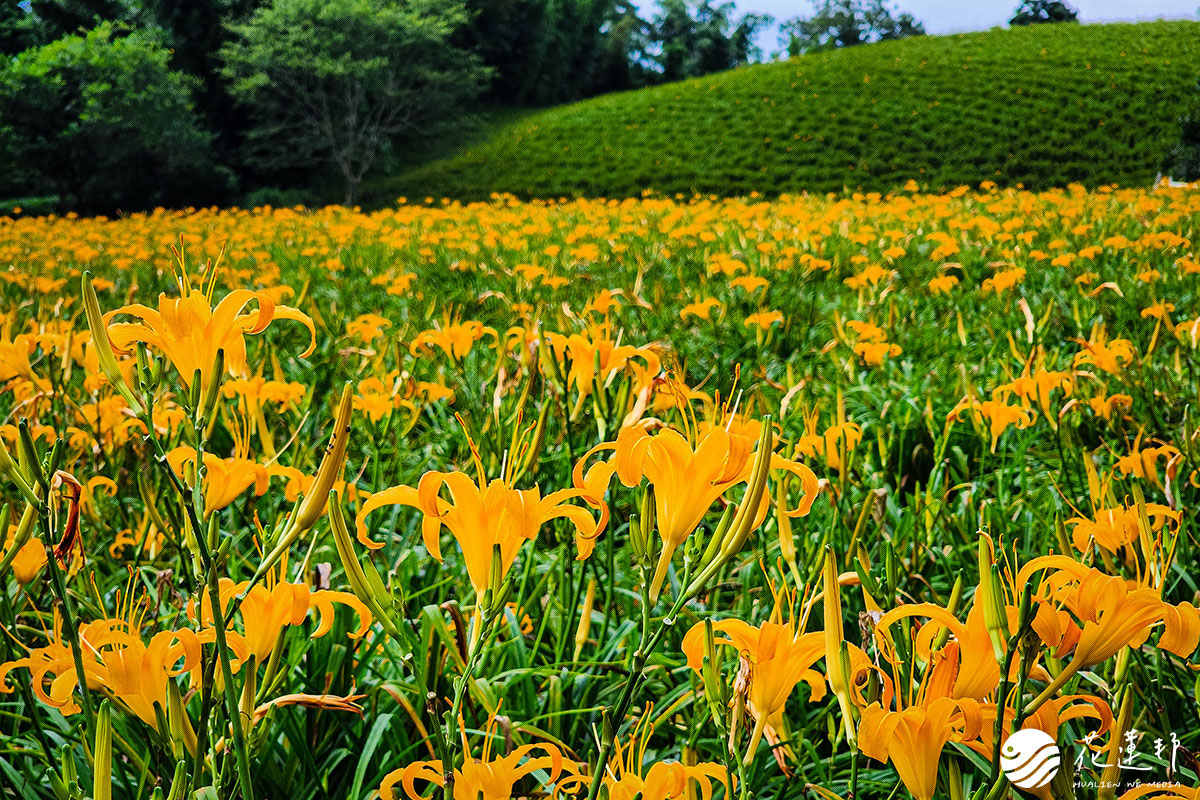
957 16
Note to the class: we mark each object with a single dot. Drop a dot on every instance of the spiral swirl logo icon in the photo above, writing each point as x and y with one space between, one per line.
1030 758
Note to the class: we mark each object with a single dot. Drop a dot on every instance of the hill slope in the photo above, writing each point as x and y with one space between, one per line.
1044 105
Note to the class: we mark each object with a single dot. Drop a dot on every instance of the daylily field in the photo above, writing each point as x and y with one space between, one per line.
818 497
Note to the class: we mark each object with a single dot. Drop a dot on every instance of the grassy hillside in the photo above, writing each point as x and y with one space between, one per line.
1042 106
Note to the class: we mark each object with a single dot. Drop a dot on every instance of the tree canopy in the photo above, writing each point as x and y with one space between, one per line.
336 80
1035 12
103 121
845 23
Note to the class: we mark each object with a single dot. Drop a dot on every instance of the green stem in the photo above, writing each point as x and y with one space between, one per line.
478 645
69 628
231 698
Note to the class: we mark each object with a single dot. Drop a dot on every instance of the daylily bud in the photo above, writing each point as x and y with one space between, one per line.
554 374
180 782
102 755
356 572
597 386
58 787
495 575
648 517
141 358
710 670
104 351
554 704
585 619
10 468
249 689
714 543
869 585
179 727
194 390
332 465
637 539
27 455
70 773
312 505
837 662
692 547
1060 536
995 613
742 524
783 523
212 393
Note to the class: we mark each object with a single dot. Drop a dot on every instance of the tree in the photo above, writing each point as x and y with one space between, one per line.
17 28
845 23
337 79
1182 162
58 18
693 40
196 30
1035 12
101 120
554 51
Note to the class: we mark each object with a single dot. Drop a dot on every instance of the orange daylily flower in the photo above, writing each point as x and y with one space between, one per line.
913 737
456 339
1109 356
266 612
118 662
830 445
1036 388
701 309
779 656
998 414
1113 612
189 331
484 778
366 328
225 479
627 778
27 562
688 479
1113 528
595 357
480 515
1142 462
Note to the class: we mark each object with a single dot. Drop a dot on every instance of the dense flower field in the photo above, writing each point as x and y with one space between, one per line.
815 497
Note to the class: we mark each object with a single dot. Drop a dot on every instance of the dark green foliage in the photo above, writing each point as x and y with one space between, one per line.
845 23
102 121
1042 105
1036 12
1182 163
332 81
17 28
552 51
196 30
700 38
58 18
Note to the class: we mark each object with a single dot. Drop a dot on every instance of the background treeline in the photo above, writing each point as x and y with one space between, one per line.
123 104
